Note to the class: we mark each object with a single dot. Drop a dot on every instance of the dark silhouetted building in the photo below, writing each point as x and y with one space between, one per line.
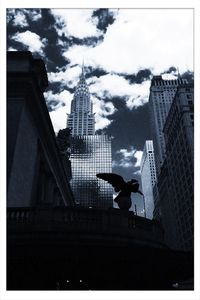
176 180
162 93
35 171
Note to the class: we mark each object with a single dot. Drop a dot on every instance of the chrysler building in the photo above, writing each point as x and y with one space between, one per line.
81 120
90 153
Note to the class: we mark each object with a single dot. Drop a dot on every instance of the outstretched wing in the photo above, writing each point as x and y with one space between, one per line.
134 188
114 179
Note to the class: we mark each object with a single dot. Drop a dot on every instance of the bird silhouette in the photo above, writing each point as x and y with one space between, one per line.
124 188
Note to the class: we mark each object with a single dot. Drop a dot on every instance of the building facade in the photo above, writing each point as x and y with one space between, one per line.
36 174
90 153
176 180
148 177
162 93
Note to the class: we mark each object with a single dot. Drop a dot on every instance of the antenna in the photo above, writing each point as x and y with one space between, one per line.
179 76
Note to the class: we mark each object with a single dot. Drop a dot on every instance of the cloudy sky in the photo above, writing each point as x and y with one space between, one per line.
122 50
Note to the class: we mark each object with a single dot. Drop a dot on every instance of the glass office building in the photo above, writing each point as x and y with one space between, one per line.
91 154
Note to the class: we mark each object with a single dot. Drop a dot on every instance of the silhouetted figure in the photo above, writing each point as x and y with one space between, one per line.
123 199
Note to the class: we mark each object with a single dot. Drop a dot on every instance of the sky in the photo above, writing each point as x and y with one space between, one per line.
122 49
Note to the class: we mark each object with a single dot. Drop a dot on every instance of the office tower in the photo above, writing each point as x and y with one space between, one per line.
148 177
175 183
81 119
90 153
162 93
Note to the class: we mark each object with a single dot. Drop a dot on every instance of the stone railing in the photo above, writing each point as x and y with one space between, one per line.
113 222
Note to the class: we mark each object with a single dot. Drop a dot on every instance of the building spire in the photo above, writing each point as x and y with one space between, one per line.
83 73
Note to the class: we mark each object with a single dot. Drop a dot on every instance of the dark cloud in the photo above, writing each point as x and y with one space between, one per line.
53 51
170 70
17 45
45 27
105 18
141 76
91 41
53 105
97 72
189 76
58 86
55 87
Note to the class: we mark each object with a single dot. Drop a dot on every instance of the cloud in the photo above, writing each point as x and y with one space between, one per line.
69 76
189 75
103 18
75 22
101 122
139 77
102 110
58 118
20 19
55 101
153 39
137 172
128 158
110 85
94 72
33 14
138 156
31 40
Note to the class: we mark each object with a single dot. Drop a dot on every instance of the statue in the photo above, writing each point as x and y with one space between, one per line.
123 199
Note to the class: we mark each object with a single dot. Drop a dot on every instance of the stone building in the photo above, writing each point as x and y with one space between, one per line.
36 174
176 179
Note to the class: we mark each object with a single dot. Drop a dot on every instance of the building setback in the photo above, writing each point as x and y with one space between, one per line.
148 176
90 153
175 183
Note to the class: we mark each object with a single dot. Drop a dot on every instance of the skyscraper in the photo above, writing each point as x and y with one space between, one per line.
81 119
162 93
148 177
90 153
179 182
